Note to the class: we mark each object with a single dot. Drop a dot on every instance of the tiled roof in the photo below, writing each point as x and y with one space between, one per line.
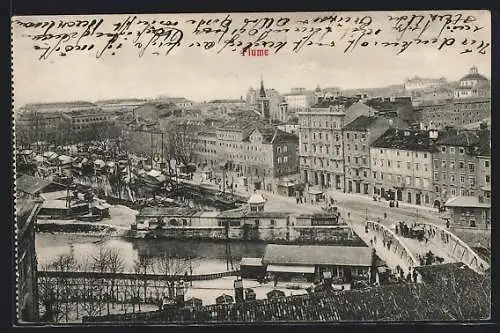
172 211
415 140
69 105
317 255
360 123
466 201
31 185
453 137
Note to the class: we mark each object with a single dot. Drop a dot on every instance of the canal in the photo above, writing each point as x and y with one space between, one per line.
205 256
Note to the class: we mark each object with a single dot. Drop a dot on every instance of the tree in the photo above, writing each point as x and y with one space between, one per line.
181 138
171 266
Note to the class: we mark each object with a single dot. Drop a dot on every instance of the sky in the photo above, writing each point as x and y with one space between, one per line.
205 75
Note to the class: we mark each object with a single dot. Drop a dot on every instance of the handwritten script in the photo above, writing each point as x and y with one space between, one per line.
162 35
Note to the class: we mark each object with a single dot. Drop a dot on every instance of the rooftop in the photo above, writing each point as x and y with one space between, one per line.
361 123
466 201
24 209
167 211
31 185
317 255
256 198
59 105
414 140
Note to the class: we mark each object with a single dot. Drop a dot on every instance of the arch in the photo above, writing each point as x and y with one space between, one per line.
437 204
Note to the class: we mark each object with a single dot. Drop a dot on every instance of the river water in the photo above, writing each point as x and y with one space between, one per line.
205 257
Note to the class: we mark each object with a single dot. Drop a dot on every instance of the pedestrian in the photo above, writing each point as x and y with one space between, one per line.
348 215
397 230
397 204
385 215
375 239
275 280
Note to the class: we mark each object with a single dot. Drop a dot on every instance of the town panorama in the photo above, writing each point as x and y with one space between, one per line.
313 202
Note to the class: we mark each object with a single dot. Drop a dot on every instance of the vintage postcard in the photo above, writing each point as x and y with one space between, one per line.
253 167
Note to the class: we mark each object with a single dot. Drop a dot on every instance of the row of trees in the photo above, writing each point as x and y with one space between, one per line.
64 299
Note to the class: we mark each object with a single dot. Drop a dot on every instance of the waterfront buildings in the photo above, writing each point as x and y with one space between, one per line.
252 149
309 262
457 165
358 136
321 148
401 165
27 283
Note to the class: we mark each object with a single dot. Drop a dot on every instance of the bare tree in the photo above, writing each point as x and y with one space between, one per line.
182 142
171 266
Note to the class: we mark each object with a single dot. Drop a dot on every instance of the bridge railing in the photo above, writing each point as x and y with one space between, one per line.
397 245
456 248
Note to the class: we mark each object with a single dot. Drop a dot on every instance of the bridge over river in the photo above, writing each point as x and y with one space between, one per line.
404 252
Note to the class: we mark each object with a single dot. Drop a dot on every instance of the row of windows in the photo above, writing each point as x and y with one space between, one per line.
348 135
86 120
399 164
453 178
364 160
283 159
452 150
408 153
283 149
356 147
417 181
452 165
319 124
322 149
322 162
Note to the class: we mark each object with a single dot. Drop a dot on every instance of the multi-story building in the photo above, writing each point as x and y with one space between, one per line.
358 135
321 150
484 165
455 165
120 105
418 84
299 99
455 112
473 85
86 120
401 165
255 150
42 121
27 290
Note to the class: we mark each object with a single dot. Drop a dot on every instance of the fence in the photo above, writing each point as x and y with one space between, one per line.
399 248
455 247
133 276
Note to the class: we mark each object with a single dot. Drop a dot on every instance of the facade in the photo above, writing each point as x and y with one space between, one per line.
358 135
289 262
417 83
27 287
454 112
468 211
299 100
457 166
86 120
401 165
320 146
473 85
120 105
258 151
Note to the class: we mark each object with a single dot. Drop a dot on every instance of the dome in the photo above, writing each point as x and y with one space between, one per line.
256 199
474 75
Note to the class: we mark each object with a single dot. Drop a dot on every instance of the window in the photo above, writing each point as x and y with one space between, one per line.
285 149
365 174
416 166
320 136
461 165
487 179
314 136
382 162
425 155
426 167
452 178
452 165
461 150
398 164
273 222
452 150
471 167
472 181
443 164
436 176
347 135
408 180
355 136
374 175
462 179
443 149
486 164
381 151
381 176
408 165
436 164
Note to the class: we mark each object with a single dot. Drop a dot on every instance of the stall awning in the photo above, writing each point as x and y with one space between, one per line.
290 269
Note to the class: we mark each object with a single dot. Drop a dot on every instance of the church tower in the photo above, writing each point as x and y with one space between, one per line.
263 102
